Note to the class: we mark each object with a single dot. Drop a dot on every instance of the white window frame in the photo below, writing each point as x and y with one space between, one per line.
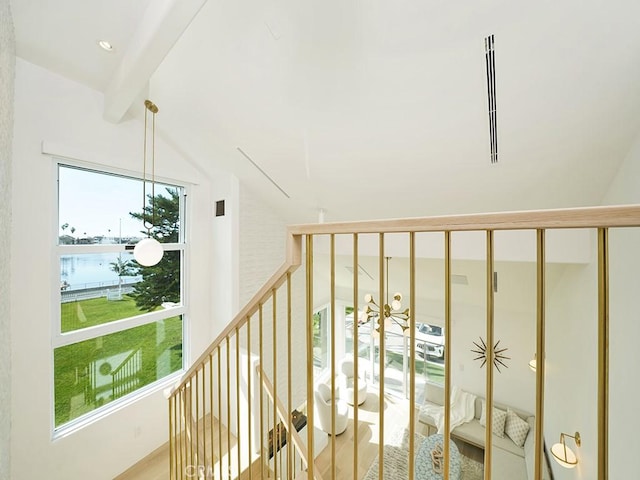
59 339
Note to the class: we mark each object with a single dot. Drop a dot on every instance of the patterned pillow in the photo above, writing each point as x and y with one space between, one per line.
498 420
516 428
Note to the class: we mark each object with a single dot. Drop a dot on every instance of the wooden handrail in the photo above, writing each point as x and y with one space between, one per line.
587 217
290 265
600 218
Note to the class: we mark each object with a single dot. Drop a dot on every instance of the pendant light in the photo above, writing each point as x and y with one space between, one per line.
390 312
149 252
563 454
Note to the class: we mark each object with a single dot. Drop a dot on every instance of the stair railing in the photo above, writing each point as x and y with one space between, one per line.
124 378
210 393
284 434
217 412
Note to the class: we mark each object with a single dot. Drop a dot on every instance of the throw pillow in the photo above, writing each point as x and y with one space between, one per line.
498 420
516 428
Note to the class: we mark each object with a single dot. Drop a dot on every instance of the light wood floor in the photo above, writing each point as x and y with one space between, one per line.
156 465
153 467
396 414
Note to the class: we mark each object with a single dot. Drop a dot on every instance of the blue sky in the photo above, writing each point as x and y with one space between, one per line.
99 204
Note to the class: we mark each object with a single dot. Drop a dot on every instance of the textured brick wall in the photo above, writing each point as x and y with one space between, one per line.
7 73
262 245
262 250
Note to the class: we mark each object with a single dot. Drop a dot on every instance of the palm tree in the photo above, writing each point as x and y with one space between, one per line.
122 269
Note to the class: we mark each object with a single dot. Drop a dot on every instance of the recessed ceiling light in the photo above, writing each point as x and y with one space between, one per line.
105 45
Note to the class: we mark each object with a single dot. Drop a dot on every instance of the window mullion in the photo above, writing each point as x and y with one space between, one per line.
88 333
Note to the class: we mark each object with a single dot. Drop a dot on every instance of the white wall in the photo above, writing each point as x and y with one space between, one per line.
262 237
624 461
571 367
225 253
7 72
513 386
55 110
571 401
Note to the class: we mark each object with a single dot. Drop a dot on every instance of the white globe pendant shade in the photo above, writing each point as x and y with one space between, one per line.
148 252
564 455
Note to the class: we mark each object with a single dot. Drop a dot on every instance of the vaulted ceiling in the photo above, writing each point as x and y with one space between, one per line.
366 109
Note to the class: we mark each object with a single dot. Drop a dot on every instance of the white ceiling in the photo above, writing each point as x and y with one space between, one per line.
62 35
378 109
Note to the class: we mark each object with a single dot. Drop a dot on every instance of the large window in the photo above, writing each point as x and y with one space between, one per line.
429 353
119 327
321 350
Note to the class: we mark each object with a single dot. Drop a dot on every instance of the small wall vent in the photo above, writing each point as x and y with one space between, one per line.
220 208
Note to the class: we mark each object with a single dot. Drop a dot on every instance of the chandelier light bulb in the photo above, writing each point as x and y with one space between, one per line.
368 298
148 252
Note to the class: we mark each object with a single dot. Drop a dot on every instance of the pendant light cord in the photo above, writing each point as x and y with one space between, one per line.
153 169
149 107
144 173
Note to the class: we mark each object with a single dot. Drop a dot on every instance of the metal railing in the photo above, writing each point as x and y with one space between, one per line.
221 421
125 377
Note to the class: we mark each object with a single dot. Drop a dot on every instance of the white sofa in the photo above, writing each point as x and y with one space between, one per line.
509 461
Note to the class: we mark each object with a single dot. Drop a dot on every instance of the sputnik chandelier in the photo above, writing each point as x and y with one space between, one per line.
390 312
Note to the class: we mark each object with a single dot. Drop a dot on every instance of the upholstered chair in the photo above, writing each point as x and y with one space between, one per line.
346 382
323 406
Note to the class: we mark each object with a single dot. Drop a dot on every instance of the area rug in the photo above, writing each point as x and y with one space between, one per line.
396 466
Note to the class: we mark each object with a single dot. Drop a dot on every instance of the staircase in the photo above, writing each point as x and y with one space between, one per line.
259 372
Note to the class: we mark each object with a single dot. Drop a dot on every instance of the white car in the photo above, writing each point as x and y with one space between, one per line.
430 340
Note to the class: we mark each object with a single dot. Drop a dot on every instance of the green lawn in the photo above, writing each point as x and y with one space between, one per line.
83 371
96 311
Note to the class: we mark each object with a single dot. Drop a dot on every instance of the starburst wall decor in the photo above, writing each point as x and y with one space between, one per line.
498 357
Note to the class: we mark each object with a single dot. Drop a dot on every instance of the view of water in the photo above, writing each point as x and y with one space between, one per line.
92 270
